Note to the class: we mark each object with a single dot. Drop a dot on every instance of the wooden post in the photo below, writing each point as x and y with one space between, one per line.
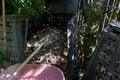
4 29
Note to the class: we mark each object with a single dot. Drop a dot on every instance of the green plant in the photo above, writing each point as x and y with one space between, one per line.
89 28
25 8
1 57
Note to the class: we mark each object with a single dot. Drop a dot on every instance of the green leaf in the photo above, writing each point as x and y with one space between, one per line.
1 58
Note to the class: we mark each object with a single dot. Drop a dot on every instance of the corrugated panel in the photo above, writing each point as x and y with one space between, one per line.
15 39
10 43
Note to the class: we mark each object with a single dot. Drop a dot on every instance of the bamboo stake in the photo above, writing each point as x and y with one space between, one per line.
4 29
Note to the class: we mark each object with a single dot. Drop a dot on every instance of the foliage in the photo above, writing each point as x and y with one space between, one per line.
24 7
90 15
10 8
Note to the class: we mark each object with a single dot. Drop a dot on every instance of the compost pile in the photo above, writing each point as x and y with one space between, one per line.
53 52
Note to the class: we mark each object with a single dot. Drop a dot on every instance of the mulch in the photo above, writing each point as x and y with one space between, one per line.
54 53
